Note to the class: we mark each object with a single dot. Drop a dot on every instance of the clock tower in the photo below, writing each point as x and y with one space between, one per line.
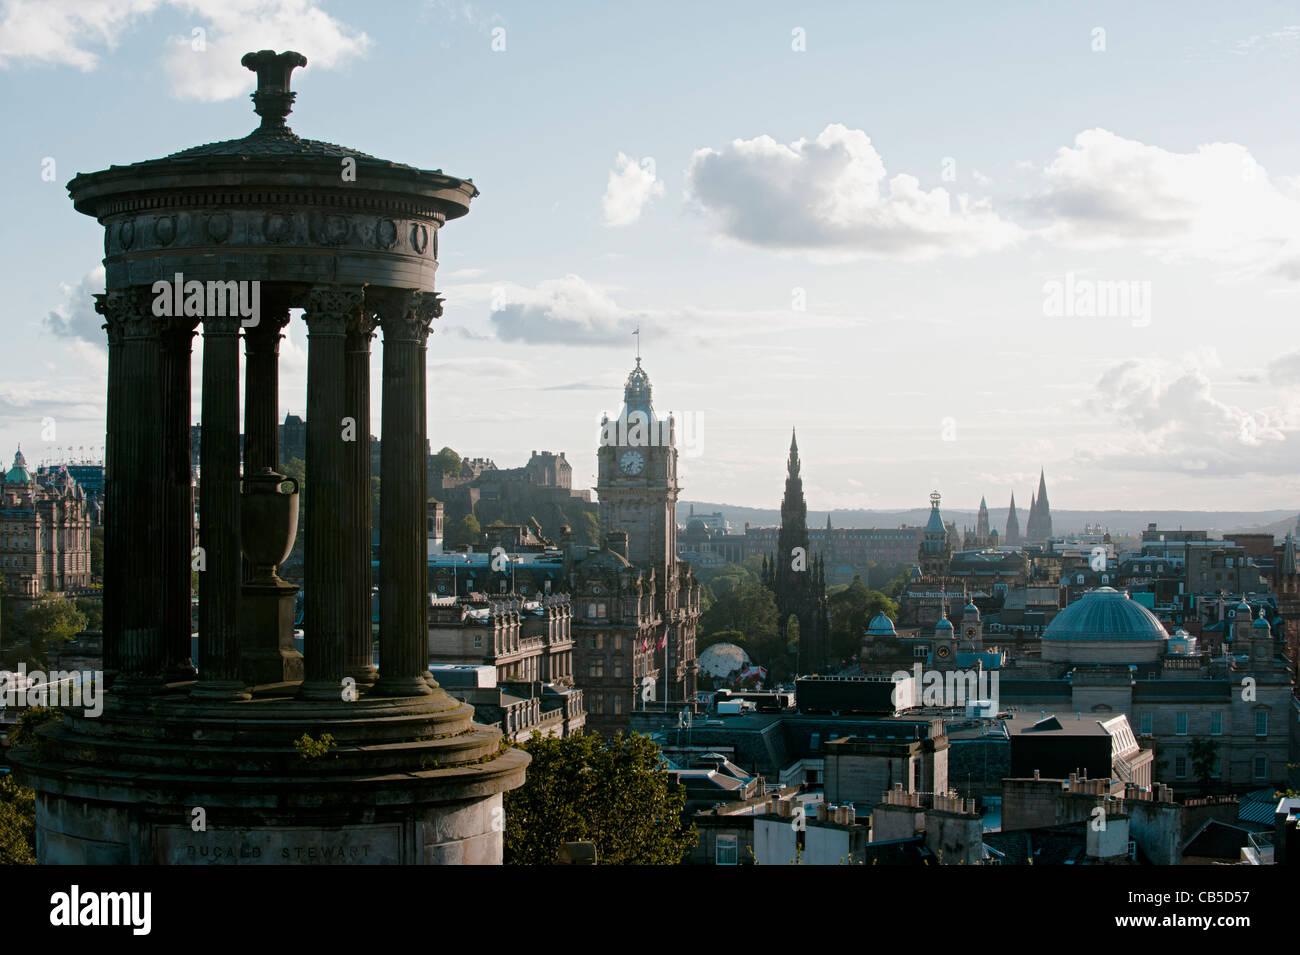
637 478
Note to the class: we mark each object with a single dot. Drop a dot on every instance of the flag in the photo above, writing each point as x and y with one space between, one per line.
645 644
663 640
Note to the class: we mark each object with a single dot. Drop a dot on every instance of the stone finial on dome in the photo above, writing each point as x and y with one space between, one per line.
272 100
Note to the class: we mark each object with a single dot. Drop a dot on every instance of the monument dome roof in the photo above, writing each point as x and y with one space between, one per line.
881 626
1105 614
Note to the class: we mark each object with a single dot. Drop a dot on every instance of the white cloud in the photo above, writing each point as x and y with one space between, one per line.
632 184
826 197
1287 36
1169 419
1216 203
75 317
568 310
59 32
66 33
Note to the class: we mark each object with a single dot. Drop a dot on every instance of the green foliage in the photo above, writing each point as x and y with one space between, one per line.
747 616
720 580
93 610
50 620
97 552
1204 751
309 748
613 792
852 607
17 823
446 462
24 730
463 533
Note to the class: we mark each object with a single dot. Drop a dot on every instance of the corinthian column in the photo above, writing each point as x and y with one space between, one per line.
262 390
222 571
330 311
358 519
120 308
178 498
404 317
138 467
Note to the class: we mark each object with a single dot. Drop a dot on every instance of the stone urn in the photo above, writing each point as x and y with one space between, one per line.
268 523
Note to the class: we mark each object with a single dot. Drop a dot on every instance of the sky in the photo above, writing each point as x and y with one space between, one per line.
950 246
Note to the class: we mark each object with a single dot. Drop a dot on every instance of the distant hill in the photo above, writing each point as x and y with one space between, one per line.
1130 523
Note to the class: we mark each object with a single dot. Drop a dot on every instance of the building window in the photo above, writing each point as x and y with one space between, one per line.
598 641
726 851
1146 724
478 641
1261 723
1261 767
596 667
600 610
1180 724
618 641
1180 767
1216 724
618 706
591 610
1217 769
815 742
618 666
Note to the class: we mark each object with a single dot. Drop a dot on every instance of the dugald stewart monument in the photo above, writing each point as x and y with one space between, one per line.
286 756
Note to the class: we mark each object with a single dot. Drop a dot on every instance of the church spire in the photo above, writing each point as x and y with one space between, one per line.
1044 529
1013 522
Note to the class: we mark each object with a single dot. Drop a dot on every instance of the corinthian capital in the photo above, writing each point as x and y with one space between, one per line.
331 309
128 313
406 314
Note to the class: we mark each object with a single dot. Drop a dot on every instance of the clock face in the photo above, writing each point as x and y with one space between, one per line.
943 651
632 462
970 631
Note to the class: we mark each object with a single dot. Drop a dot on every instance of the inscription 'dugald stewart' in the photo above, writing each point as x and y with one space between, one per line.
358 845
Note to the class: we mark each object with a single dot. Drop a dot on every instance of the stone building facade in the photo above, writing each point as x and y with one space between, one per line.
45 522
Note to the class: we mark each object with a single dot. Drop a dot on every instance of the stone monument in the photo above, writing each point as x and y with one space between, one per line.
254 753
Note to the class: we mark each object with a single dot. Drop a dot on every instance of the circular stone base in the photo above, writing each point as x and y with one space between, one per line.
273 780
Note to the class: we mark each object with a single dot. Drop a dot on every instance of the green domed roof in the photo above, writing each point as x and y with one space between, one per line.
1105 614
18 474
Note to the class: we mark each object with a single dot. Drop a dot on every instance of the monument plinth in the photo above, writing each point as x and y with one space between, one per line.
318 758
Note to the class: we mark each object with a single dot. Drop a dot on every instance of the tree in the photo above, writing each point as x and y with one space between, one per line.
1205 753
446 463
93 611
613 792
49 620
719 580
17 823
852 607
748 607
97 552
463 533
